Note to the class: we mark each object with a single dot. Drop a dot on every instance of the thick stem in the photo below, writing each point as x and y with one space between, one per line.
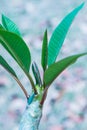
31 117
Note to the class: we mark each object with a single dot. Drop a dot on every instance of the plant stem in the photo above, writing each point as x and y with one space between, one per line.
31 117
44 96
22 87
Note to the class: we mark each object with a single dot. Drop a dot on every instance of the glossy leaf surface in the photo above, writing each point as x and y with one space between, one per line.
17 48
7 67
44 55
10 25
1 27
55 69
59 34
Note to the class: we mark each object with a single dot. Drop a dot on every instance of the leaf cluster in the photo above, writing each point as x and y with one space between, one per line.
12 41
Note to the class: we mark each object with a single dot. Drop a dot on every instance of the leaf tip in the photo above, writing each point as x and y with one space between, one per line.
82 5
46 30
3 16
45 34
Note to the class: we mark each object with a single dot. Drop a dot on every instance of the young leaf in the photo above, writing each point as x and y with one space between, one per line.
56 68
10 25
59 35
17 48
36 73
7 67
44 51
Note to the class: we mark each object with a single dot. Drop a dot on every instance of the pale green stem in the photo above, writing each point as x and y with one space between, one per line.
31 117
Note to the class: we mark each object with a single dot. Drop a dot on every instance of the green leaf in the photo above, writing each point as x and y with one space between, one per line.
17 48
1 27
36 73
7 67
56 68
59 35
10 25
44 51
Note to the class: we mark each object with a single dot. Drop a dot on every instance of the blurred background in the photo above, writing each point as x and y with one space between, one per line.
66 104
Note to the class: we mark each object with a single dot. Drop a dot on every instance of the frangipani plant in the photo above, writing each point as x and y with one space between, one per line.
12 41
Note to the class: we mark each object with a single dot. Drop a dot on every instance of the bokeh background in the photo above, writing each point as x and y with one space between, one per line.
66 104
